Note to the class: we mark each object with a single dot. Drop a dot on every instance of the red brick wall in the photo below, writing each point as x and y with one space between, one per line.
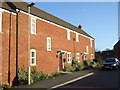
47 62
8 47
0 59
117 50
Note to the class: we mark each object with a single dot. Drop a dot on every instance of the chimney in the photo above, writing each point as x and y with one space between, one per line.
80 26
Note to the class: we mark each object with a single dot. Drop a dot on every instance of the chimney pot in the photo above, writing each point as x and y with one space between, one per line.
80 26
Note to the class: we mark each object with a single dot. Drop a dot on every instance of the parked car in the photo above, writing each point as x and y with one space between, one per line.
111 63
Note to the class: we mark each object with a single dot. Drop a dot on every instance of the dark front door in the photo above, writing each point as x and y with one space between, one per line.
60 62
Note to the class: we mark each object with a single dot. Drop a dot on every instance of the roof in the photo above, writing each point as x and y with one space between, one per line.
118 43
12 6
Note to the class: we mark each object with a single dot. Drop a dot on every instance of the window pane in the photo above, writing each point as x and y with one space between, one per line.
33 61
33 20
33 26
48 43
33 54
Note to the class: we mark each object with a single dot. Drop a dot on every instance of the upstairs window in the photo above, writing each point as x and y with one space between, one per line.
48 43
32 57
69 57
91 42
78 57
87 49
68 34
0 21
33 26
77 37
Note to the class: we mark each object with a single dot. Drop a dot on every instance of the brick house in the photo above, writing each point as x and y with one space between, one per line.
117 50
52 40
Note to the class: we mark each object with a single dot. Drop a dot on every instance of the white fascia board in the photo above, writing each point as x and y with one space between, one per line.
3 10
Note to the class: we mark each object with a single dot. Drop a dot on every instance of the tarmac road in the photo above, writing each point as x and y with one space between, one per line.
100 79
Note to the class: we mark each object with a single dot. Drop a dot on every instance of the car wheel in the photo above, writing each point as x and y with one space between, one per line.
116 67
111 67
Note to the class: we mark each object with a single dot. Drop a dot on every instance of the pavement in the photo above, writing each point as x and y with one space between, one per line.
60 81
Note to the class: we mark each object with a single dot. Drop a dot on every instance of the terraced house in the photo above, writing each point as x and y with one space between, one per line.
54 43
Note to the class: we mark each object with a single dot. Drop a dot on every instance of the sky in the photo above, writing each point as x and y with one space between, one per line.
99 19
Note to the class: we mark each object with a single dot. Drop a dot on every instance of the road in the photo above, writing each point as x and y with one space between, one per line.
100 79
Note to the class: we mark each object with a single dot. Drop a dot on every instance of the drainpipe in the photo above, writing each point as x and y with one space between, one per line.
9 45
17 13
74 47
29 8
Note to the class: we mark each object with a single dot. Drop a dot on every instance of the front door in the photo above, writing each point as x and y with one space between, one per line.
60 62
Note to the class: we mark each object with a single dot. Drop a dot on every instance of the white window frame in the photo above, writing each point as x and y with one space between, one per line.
49 42
33 23
78 57
34 51
87 49
69 59
0 21
77 37
68 34
91 43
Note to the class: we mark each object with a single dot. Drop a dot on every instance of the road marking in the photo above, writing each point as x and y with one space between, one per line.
72 80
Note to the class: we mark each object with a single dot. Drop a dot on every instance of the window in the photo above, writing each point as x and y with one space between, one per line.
69 56
68 34
78 57
48 43
87 49
77 37
33 26
92 56
32 57
0 21
91 42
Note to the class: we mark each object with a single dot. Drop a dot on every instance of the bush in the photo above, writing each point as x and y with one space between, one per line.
22 76
35 76
99 61
75 66
56 74
5 85
69 68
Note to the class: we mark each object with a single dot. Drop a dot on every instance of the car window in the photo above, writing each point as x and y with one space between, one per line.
110 60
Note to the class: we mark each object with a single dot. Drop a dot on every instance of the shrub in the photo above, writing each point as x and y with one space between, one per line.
69 68
35 76
5 85
56 74
75 66
98 60
22 76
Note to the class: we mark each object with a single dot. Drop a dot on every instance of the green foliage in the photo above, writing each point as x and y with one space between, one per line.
22 76
69 68
56 74
75 66
35 76
5 85
99 61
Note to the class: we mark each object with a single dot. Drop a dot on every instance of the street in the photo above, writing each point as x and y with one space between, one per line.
100 79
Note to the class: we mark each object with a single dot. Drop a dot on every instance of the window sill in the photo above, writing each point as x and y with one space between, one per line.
32 34
33 65
69 62
49 50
